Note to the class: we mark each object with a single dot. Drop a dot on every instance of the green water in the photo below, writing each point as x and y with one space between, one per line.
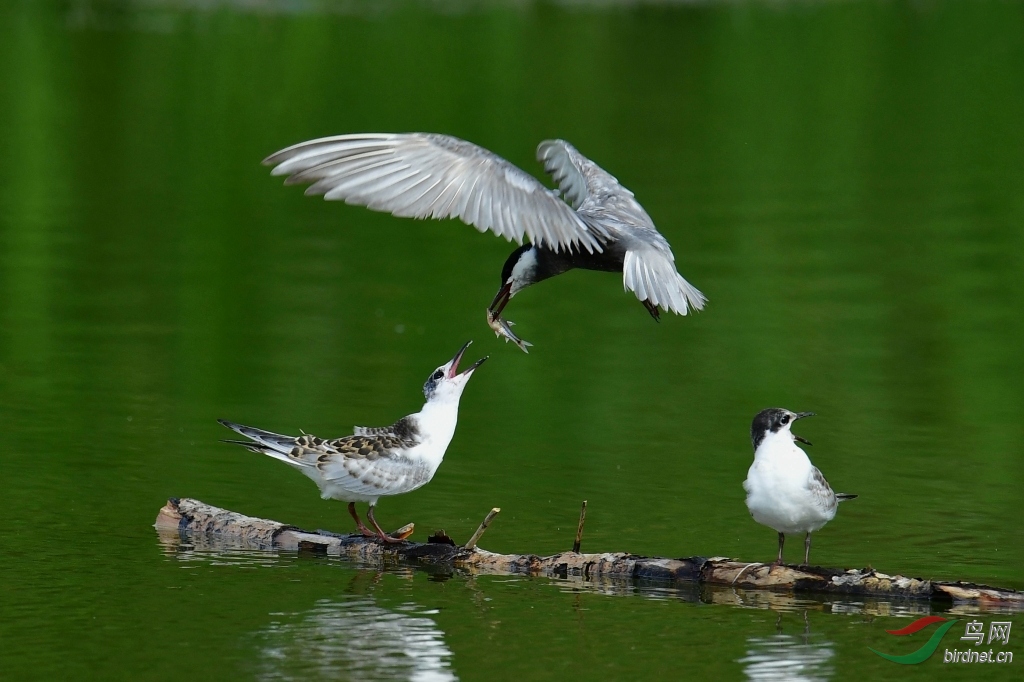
844 181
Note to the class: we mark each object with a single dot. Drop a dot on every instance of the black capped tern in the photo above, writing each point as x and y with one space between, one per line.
426 175
784 490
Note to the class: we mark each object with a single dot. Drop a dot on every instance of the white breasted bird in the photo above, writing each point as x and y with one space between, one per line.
784 490
375 462
425 175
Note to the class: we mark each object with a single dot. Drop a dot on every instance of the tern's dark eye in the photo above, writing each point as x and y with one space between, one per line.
785 419
436 376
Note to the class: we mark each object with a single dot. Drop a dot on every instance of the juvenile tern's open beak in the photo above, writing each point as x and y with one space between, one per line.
501 299
801 415
453 369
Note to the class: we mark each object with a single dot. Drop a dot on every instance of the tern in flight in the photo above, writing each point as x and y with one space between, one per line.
598 226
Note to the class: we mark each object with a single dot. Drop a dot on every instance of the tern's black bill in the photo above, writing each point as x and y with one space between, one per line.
801 415
501 299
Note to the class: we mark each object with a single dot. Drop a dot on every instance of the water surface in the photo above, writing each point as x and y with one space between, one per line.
845 182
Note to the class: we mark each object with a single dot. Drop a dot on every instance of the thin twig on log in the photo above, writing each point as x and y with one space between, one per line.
579 529
194 522
483 526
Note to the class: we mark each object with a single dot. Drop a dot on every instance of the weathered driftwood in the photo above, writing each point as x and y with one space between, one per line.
197 518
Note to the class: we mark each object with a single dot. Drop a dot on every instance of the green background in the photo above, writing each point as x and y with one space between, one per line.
844 181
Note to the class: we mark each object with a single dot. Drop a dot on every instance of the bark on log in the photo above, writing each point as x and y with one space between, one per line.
195 518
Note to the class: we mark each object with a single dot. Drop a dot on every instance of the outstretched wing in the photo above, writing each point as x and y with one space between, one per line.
424 175
577 176
607 207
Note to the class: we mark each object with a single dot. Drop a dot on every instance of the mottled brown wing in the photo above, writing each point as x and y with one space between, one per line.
369 447
370 465
404 429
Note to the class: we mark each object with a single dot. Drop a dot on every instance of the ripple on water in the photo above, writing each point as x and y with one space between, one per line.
788 657
355 639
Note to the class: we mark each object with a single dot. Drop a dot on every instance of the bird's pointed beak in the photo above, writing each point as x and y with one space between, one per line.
469 370
801 415
453 366
501 299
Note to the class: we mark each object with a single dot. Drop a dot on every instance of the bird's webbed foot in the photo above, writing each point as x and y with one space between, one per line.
397 537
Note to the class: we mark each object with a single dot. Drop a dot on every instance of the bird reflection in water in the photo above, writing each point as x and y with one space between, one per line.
354 639
788 657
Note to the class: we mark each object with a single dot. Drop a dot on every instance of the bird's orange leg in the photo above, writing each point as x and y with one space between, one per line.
359 522
380 533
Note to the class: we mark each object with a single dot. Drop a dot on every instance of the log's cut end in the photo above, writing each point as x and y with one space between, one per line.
169 518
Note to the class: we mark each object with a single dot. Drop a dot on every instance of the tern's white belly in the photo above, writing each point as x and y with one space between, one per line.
377 479
783 501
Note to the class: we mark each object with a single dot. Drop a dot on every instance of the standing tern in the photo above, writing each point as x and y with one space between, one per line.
375 462
427 175
784 490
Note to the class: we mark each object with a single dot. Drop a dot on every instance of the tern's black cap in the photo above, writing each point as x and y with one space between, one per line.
771 420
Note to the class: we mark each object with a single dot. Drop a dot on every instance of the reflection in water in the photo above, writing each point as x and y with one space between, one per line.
788 657
337 639
782 602
771 600
214 551
355 639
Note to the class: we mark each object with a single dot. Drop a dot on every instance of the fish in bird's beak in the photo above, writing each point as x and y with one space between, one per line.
801 415
503 328
453 366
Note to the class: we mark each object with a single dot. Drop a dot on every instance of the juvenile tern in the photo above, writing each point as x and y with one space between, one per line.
374 462
427 175
784 490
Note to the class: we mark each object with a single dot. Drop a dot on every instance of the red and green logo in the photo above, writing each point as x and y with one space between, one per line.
928 648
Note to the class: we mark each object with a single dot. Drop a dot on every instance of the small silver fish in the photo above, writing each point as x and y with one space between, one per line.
502 327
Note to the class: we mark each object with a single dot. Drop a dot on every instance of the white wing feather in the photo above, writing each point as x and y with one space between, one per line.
652 276
577 176
608 208
421 175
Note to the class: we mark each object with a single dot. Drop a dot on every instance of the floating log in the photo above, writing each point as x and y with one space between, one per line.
192 517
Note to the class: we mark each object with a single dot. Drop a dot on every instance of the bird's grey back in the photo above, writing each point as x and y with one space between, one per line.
822 492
